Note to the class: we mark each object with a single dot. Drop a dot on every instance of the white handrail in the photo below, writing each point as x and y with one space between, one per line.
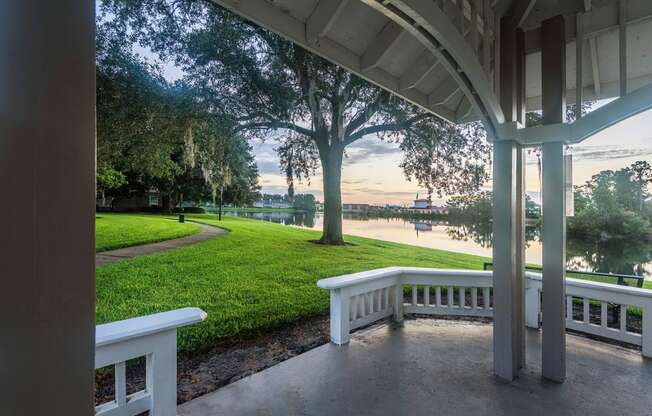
359 299
155 338
120 331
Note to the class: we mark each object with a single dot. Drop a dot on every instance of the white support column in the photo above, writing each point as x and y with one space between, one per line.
553 56
554 262
519 259
508 295
47 183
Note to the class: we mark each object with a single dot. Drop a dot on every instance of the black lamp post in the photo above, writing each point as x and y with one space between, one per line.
182 216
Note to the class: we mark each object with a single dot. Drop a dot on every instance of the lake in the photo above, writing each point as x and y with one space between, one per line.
622 257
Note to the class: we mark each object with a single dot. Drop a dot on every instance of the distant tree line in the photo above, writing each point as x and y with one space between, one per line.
478 207
300 202
614 205
152 134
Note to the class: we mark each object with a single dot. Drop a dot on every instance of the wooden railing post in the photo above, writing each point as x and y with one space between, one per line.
398 303
340 319
162 374
532 303
646 331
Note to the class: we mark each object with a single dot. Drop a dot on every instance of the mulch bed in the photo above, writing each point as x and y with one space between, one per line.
229 361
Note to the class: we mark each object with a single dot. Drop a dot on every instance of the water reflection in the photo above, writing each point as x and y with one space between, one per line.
625 257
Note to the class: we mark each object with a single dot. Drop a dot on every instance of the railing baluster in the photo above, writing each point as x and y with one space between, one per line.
462 293
414 295
354 307
438 296
486 298
450 293
379 299
120 384
586 311
426 296
603 314
369 303
474 298
386 294
623 318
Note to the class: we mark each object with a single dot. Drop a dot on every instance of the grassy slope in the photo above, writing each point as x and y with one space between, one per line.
124 230
259 276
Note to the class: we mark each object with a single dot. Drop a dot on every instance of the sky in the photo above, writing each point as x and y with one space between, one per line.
371 172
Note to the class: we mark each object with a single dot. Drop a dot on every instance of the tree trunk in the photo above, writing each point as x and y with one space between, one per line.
332 174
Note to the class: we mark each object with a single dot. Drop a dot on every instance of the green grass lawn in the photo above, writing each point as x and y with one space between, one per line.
253 209
259 276
123 230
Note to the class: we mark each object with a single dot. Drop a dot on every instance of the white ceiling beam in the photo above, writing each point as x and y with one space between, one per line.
443 91
275 19
322 18
579 61
389 36
596 21
418 71
464 111
622 46
593 49
521 10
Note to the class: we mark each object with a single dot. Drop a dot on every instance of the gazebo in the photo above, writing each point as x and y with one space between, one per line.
462 60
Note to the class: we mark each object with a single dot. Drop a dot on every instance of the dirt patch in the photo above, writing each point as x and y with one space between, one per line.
229 361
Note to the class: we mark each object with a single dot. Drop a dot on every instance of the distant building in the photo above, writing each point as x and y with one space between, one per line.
355 207
151 199
424 206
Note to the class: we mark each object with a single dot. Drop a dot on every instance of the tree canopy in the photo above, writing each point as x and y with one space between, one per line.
153 134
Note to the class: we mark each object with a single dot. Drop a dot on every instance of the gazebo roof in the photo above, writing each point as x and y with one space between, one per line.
440 54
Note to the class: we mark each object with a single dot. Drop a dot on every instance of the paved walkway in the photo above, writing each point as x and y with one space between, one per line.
207 233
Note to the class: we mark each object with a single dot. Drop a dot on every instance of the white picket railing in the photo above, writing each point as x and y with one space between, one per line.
155 338
362 298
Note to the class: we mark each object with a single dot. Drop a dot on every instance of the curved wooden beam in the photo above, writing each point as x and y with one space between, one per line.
612 113
434 29
594 122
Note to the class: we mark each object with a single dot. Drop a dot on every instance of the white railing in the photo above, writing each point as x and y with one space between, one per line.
155 338
360 299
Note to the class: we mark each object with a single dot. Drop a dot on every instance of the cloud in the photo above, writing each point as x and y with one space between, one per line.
353 181
367 148
612 152
268 166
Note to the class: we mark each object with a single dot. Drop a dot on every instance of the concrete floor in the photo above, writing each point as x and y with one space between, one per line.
435 367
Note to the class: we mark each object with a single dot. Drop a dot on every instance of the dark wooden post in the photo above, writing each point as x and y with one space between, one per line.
47 183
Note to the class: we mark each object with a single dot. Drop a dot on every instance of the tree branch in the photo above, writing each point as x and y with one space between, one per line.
276 125
387 127
365 115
